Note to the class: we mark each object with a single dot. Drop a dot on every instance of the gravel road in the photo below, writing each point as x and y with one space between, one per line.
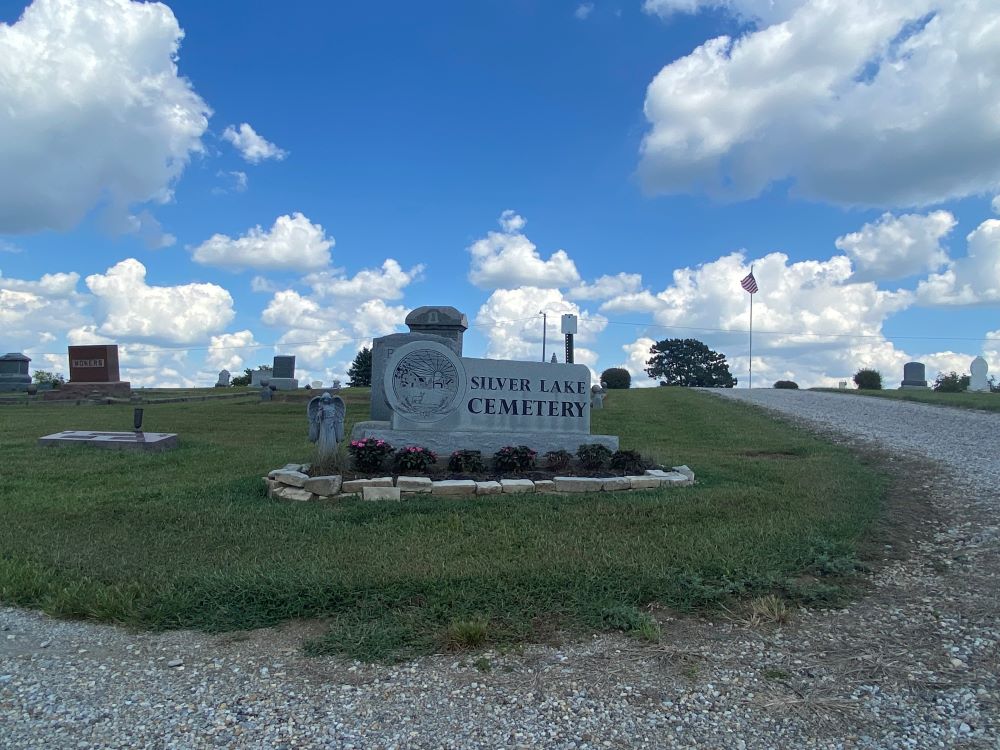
914 664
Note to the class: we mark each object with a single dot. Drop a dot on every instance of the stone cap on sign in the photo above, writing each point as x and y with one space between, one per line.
433 318
15 357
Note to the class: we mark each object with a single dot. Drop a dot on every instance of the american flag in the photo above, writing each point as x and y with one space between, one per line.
749 283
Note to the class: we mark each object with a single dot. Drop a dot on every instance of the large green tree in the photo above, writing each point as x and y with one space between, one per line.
360 373
688 362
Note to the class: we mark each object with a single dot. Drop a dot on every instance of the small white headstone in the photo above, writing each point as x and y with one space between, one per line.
978 370
842 385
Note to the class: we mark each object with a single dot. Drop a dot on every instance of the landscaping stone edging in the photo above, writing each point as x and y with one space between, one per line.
291 482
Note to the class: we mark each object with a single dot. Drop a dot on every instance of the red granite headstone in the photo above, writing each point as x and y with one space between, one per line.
93 373
94 364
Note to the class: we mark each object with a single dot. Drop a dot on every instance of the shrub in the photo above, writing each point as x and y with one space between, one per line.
466 462
629 462
951 382
786 384
868 379
558 460
415 458
616 377
514 458
333 463
368 454
592 455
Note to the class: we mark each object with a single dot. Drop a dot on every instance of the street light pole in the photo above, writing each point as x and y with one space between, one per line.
545 320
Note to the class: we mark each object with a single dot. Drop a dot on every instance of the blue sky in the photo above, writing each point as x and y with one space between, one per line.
208 184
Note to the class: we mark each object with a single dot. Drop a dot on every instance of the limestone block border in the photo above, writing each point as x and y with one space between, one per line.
291 483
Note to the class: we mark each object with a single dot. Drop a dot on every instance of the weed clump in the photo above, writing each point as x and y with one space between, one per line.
514 458
593 456
466 462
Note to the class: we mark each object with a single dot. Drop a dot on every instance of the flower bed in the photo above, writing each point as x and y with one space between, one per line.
292 482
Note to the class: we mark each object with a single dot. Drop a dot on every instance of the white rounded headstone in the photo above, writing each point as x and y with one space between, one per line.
978 369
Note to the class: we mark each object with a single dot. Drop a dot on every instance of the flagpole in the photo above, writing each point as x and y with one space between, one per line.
750 385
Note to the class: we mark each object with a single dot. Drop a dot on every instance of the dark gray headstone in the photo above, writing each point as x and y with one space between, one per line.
283 366
914 375
14 368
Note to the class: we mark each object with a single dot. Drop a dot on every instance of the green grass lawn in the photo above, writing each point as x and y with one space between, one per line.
978 401
188 539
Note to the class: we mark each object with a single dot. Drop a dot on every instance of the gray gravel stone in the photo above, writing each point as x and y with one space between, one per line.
880 673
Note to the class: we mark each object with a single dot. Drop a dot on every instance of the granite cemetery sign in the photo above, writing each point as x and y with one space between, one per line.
441 400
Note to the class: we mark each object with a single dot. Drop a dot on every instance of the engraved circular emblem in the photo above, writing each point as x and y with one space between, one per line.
424 381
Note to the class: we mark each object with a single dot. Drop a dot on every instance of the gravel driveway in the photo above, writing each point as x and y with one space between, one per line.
914 664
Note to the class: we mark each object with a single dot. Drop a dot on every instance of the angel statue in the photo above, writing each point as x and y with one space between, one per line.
326 423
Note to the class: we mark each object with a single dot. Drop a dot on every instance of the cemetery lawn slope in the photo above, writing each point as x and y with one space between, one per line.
964 400
187 538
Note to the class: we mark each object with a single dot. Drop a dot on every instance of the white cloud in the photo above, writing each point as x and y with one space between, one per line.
127 307
92 112
231 351
252 147
235 182
898 246
507 259
769 11
972 280
512 325
873 102
995 204
262 284
9 247
385 283
608 286
36 313
340 313
636 354
812 322
294 243
583 11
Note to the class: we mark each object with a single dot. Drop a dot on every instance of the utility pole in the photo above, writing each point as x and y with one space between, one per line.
545 321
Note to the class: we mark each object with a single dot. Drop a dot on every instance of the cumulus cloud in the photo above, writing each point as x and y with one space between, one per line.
508 259
636 354
36 313
92 112
608 286
972 280
252 147
851 101
583 11
512 325
898 246
388 282
234 182
231 351
292 243
769 11
338 315
995 204
812 321
126 306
